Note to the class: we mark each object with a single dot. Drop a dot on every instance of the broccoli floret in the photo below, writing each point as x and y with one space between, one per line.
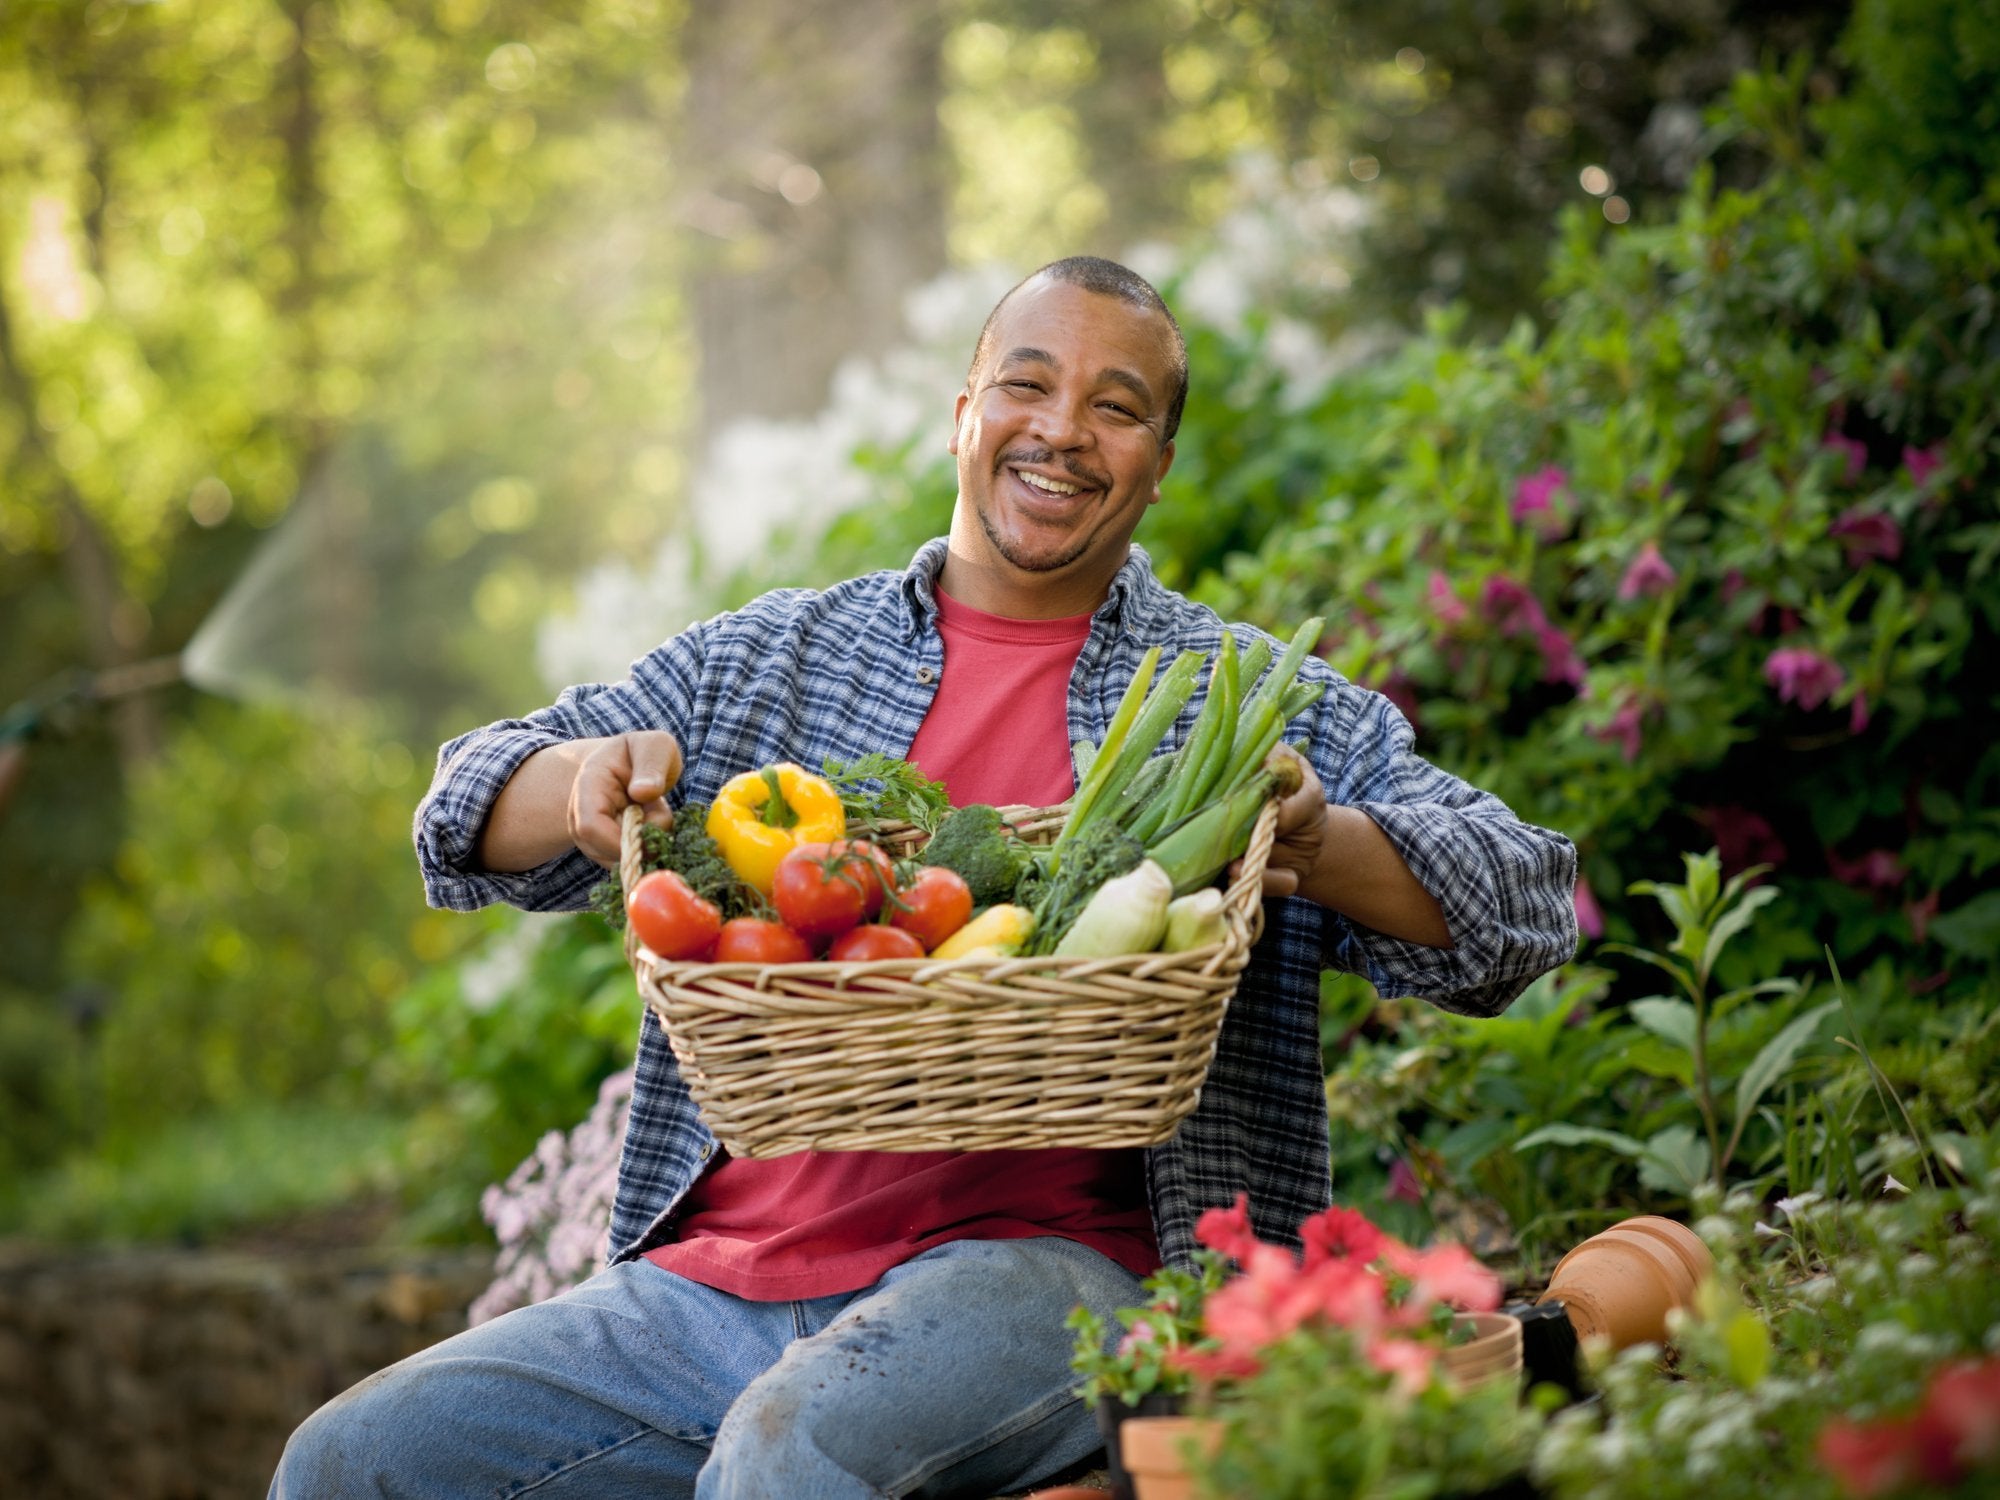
974 842
687 850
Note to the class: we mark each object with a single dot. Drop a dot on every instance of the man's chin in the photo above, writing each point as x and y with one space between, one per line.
1051 556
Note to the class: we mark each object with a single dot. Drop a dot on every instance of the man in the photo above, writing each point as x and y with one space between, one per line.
864 1324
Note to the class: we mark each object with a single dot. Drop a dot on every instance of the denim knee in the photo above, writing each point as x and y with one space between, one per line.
343 1449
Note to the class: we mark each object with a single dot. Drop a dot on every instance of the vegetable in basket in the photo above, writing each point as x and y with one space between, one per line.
997 932
1127 915
974 842
761 816
689 852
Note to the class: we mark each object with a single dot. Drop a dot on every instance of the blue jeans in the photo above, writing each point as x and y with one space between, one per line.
949 1376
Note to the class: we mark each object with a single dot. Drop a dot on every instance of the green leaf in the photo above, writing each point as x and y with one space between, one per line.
1670 1020
1747 1343
1776 1056
1972 929
1581 1135
1733 921
1676 1160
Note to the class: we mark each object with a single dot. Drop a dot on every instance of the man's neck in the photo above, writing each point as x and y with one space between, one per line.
1015 594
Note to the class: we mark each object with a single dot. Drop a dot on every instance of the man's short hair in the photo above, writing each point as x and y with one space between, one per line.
1108 279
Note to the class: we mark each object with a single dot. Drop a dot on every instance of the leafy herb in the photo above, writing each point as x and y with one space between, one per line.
878 788
686 849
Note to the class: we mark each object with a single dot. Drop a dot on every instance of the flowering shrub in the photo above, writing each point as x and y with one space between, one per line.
552 1216
1323 1366
1143 1362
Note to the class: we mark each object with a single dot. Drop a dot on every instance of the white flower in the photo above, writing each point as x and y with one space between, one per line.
1890 1185
1793 1208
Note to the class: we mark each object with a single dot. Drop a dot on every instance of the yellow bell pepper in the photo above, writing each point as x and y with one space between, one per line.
761 816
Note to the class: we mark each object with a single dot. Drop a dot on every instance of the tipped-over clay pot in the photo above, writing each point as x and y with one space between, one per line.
1493 1351
1621 1284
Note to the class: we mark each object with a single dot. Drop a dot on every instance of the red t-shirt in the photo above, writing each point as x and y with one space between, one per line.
817 1223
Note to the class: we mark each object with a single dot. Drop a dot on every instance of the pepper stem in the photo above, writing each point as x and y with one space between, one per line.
778 812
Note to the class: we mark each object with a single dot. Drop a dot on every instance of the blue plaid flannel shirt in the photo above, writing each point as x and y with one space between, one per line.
801 675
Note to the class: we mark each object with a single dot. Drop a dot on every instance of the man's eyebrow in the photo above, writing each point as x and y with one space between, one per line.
1112 374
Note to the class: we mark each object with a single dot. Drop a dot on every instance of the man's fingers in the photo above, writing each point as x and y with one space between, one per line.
654 757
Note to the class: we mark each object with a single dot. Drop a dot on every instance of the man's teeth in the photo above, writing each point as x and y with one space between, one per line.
1053 486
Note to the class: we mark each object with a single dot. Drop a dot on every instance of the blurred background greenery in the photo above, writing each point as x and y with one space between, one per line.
369 370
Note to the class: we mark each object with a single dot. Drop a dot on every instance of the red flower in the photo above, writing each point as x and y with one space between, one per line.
1534 502
1228 1230
1624 727
1803 676
1444 601
1409 1361
1878 869
1444 1273
1403 1184
1868 534
1589 915
1921 463
1743 838
1341 1234
1964 1404
1868 1458
1648 573
1851 451
1511 606
1857 714
1560 663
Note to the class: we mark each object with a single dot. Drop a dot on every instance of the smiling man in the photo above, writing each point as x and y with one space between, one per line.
867 1324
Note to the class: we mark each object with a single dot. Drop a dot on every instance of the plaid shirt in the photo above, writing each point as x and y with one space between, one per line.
801 675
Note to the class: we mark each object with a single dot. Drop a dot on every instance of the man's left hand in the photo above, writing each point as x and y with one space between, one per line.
1301 833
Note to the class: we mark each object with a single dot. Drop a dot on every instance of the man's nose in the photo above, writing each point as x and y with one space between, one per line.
1061 423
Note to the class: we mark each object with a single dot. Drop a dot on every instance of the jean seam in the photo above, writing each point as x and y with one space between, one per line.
630 1437
1028 1417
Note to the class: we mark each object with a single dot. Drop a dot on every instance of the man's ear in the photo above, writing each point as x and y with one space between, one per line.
1166 463
957 418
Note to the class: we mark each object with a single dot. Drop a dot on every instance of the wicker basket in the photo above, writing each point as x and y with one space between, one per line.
974 1054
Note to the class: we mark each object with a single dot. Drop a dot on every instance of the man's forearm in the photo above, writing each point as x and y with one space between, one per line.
529 824
1360 875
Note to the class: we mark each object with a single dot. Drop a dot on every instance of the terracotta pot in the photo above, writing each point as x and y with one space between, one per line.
1621 1284
1155 1451
1112 1414
1493 1352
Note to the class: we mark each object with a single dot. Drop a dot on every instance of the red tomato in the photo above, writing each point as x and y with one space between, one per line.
671 919
934 905
753 940
862 945
821 890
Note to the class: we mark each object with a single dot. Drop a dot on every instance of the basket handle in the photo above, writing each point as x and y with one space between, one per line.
631 855
1249 882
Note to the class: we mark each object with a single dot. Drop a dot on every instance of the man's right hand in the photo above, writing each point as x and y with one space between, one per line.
638 767
573 796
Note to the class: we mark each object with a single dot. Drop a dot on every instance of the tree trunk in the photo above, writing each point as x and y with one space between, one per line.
819 181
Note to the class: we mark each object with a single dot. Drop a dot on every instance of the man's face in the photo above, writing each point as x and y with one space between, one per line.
1059 432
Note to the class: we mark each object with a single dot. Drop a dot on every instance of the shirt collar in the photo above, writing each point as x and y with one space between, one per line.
1131 587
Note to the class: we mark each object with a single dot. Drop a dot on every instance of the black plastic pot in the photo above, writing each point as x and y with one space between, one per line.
1110 1413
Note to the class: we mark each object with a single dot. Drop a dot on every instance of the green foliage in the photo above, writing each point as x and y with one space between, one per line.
263 912
196 1179
1847 1310
1136 1365
488 1055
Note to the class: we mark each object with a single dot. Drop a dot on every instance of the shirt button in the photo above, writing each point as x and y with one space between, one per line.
925 674
707 1152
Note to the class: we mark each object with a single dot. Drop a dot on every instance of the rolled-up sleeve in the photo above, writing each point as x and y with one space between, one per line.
472 770
1506 887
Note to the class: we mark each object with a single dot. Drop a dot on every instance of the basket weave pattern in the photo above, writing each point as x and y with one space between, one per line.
975 1054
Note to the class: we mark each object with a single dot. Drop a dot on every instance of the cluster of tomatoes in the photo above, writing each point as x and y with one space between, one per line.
845 900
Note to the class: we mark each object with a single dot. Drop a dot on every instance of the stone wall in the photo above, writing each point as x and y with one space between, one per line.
178 1375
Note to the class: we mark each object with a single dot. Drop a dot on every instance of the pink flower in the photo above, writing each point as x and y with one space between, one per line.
1444 1273
1878 869
1921 914
1868 534
1228 1231
1403 1184
1444 601
1589 916
1921 463
1406 1359
1803 676
1341 1234
1732 584
1511 606
1852 452
1624 726
1963 1405
1534 502
1743 838
1857 714
1560 663
1649 573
